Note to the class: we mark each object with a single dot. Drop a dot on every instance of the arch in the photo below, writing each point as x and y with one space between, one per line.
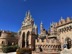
2 42
68 42
40 48
0 34
23 39
70 27
27 38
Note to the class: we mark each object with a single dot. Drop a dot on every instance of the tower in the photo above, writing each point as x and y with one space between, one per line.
53 41
27 32
41 27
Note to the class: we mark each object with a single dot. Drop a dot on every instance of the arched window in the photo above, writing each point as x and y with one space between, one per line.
67 28
64 29
40 48
70 27
68 42
27 39
2 42
23 39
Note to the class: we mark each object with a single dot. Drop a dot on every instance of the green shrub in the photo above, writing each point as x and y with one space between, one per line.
7 49
24 50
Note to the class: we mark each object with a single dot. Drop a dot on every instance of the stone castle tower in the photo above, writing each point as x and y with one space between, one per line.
28 32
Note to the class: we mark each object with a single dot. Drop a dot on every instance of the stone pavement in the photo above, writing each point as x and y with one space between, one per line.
65 51
9 53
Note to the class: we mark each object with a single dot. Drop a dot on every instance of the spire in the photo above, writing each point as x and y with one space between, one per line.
28 19
41 26
62 18
41 23
28 15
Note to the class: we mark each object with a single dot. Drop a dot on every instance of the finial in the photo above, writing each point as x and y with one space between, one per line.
52 23
41 22
36 26
61 18
68 17
28 12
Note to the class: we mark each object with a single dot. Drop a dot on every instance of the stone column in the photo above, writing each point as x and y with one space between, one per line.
25 41
71 43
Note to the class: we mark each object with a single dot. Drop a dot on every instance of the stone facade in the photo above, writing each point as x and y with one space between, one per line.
64 28
47 42
27 33
7 38
53 41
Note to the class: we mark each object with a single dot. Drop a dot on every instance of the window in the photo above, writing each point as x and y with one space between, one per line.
67 28
23 39
2 42
0 34
70 27
68 42
40 49
42 40
64 29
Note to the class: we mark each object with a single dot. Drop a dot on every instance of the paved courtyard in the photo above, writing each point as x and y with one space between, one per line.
65 51
9 53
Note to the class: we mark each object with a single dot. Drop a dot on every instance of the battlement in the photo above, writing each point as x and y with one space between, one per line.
39 41
63 21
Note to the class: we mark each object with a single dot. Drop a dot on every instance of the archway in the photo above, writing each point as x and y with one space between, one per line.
23 39
27 39
68 42
40 48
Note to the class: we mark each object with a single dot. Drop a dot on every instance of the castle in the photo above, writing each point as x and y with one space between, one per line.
58 37
7 38
52 41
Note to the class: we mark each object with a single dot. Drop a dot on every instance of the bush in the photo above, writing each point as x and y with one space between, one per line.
24 50
7 49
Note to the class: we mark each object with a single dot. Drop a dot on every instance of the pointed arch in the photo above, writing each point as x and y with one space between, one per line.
23 39
27 38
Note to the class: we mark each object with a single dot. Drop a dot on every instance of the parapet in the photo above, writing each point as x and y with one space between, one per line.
40 42
63 21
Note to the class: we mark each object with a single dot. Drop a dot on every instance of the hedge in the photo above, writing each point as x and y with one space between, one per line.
7 49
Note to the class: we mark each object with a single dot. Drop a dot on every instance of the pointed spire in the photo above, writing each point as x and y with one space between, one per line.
28 15
41 26
35 26
28 12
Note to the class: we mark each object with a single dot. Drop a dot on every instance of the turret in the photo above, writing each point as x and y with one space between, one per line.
41 27
53 31
35 29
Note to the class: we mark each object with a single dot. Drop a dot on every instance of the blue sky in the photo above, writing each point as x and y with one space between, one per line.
12 12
